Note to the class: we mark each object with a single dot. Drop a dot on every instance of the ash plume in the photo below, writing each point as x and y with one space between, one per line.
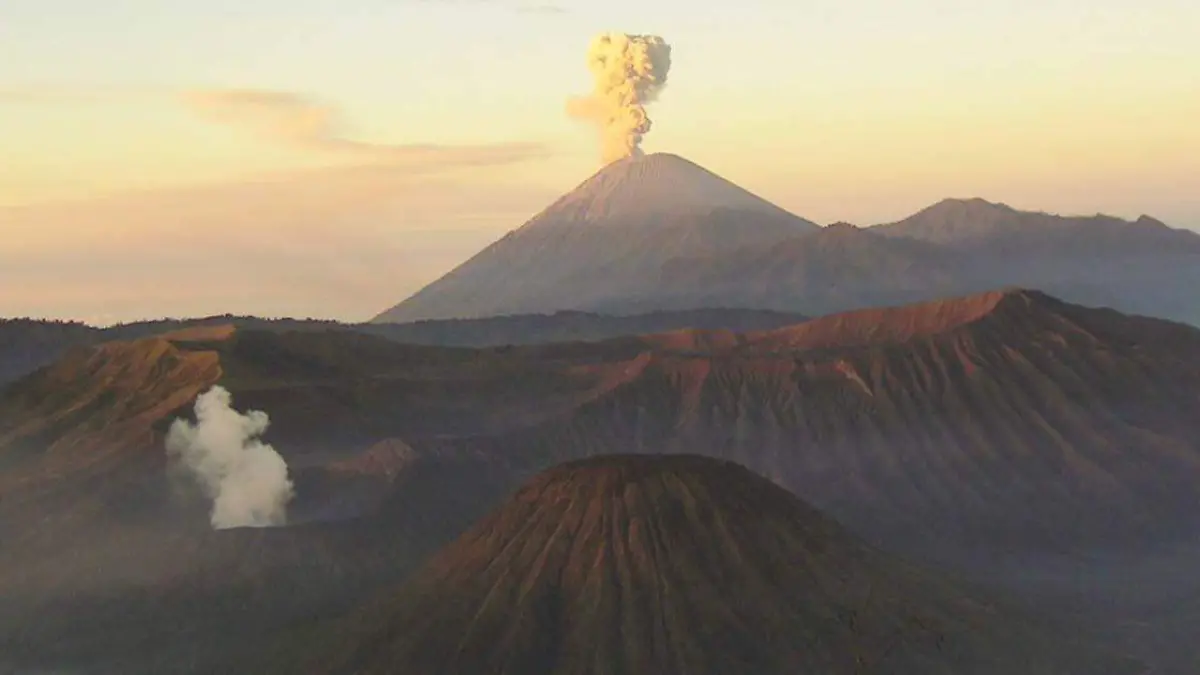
246 479
629 72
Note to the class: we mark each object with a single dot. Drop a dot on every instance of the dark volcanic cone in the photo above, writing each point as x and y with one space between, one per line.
627 565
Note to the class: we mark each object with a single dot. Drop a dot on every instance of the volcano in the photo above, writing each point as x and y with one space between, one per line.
605 241
1030 444
628 564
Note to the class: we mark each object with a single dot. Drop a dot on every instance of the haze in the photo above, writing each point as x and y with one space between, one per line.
320 158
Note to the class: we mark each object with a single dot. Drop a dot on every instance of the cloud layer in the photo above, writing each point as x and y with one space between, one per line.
301 120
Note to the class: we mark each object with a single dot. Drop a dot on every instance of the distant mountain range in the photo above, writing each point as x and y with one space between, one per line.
659 232
26 345
1037 446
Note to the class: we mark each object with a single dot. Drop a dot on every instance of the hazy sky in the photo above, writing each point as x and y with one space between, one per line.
328 157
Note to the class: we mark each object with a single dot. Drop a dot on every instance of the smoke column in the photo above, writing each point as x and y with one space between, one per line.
629 71
246 479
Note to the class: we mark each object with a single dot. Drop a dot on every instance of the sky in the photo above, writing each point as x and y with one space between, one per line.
327 158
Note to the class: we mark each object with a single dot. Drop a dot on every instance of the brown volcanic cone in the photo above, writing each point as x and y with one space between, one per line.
683 564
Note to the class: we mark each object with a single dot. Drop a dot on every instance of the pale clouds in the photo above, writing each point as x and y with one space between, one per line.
299 119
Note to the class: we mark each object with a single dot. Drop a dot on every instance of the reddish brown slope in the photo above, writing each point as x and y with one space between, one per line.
83 417
885 324
627 565
1000 420
1007 422
82 462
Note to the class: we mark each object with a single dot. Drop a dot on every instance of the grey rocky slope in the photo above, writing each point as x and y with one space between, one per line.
605 241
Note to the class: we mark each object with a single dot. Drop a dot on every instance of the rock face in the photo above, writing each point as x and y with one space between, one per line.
628 565
606 240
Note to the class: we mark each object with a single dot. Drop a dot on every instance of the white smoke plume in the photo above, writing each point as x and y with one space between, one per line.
246 479
629 72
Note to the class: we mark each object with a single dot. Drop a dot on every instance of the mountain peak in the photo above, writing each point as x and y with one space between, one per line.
995 233
842 229
653 162
957 219
1150 221
678 564
605 242
658 183
970 207
900 324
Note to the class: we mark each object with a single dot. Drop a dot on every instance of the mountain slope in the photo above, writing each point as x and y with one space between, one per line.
975 427
1016 437
605 240
132 600
26 345
567 326
954 247
838 268
1143 266
635 238
624 565
109 564
971 424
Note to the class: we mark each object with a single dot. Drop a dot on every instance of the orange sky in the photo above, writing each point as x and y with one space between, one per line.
308 158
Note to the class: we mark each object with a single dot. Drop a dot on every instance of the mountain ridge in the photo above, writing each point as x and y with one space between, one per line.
961 222
29 344
611 246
